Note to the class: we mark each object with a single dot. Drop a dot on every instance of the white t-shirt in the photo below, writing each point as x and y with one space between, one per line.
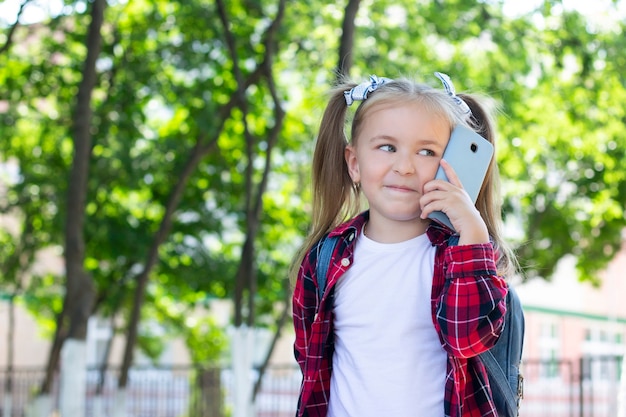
388 359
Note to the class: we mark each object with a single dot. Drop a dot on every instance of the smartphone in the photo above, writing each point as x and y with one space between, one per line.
469 154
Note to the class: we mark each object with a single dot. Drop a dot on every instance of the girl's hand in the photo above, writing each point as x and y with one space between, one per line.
453 200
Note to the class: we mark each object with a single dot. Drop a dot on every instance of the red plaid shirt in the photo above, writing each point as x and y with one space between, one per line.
468 307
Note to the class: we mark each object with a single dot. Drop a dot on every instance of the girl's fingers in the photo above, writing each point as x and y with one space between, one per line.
439 184
452 177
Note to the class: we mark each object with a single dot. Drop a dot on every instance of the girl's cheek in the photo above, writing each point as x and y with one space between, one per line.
430 171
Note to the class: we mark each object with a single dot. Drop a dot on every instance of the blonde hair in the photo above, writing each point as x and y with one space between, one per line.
336 198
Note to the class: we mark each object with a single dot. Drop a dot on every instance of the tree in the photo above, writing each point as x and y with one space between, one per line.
71 330
204 118
114 111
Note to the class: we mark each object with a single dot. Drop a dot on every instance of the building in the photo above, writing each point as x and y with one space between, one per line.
567 319
574 342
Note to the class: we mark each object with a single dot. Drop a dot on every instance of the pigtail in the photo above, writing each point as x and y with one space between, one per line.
488 202
335 197
332 186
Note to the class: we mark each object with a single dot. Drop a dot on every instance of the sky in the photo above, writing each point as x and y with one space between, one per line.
601 13
516 7
34 12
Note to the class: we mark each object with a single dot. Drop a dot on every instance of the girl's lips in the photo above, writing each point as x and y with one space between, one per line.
400 188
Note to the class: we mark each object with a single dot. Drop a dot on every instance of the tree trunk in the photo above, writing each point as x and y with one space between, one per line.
73 382
55 353
98 402
246 277
279 327
194 159
344 66
80 291
241 347
209 399
346 45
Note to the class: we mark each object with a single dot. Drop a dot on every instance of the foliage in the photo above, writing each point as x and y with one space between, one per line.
166 78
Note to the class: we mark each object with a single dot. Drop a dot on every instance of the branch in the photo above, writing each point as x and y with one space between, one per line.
279 113
243 277
23 255
194 158
13 27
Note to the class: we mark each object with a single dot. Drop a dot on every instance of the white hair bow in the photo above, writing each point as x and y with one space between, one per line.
447 84
361 91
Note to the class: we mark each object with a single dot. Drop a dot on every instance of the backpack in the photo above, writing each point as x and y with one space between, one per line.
502 361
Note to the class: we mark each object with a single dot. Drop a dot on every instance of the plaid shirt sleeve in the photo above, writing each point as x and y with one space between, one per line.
471 306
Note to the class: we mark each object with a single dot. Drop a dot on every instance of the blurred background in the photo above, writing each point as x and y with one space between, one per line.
155 185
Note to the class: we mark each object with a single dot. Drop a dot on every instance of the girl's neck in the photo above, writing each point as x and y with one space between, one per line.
394 231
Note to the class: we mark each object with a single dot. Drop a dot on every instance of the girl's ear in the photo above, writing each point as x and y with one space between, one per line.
353 164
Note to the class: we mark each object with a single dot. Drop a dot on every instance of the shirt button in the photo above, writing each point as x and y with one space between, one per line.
345 262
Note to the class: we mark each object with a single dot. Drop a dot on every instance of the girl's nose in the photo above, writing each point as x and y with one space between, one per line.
404 165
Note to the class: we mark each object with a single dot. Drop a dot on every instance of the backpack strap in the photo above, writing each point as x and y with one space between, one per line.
326 249
506 383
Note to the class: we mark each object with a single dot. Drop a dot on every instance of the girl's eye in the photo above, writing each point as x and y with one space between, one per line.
387 148
426 152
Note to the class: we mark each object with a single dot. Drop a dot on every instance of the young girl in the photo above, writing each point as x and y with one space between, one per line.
404 313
